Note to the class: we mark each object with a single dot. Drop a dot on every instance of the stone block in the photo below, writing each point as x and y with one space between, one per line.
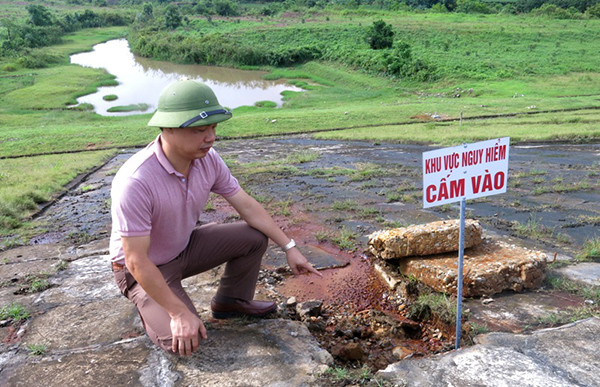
489 268
426 239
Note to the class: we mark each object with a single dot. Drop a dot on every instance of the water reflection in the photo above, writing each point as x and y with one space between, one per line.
141 80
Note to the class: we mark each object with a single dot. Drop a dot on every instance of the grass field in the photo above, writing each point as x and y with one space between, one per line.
538 80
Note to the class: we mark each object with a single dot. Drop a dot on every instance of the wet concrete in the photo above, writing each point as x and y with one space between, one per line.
336 197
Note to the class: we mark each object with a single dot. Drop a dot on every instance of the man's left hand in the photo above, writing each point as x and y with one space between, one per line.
299 264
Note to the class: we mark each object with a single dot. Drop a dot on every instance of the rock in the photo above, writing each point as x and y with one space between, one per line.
260 354
116 365
431 238
489 268
349 351
291 302
391 278
309 308
401 352
561 357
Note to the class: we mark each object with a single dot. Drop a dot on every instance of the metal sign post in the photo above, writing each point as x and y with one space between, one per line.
459 173
459 288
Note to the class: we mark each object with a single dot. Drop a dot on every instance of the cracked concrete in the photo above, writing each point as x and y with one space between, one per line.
93 337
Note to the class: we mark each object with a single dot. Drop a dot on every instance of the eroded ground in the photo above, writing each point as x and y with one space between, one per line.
330 195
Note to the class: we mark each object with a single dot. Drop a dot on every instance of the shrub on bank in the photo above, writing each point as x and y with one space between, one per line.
556 12
280 48
42 28
9 67
593 11
38 58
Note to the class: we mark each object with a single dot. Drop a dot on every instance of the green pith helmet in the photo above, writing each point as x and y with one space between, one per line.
188 103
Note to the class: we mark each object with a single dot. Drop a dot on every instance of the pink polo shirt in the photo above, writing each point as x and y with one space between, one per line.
149 197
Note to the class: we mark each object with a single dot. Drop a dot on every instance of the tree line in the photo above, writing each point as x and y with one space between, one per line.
43 28
169 30
555 8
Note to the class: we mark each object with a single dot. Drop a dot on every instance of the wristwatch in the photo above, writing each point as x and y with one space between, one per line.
289 246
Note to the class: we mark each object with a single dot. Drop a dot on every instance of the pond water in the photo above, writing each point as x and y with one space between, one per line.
141 80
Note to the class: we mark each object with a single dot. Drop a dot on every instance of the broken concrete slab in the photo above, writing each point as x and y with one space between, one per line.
489 268
565 356
424 239
585 272
319 258
267 353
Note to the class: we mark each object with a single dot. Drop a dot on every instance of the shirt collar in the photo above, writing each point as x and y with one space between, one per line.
162 159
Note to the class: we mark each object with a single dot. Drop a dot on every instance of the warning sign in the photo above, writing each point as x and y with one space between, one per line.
466 171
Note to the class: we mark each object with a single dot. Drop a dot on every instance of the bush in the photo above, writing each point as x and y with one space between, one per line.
225 8
472 6
172 17
400 63
280 48
36 59
380 35
593 11
439 8
9 67
580 5
40 16
555 12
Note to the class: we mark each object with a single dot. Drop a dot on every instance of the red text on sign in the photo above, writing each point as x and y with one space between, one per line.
495 153
487 182
451 161
445 190
433 165
472 157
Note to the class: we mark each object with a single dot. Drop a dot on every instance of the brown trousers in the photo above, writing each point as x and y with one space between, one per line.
238 245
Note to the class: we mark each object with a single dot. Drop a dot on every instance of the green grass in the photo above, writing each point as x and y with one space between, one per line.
110 97
14 312
590 250
37 349
301 157
492 55
46 175
590 307
135 107
345 205
265 104
340 376
560 283
428 305
345 239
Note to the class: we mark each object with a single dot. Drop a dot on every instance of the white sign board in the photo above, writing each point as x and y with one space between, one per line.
466 171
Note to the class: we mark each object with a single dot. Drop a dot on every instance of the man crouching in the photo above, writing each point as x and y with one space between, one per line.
157 198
